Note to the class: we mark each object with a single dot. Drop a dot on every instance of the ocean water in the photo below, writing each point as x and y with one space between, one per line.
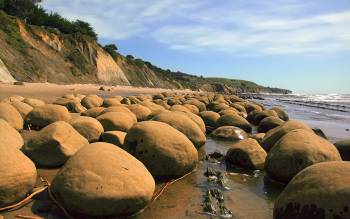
329 112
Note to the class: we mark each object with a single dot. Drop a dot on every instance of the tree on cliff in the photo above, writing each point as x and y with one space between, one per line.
32 13
112 50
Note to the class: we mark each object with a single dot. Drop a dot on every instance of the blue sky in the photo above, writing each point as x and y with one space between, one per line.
296 44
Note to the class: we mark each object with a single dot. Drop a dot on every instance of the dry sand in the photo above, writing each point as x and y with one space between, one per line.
49 92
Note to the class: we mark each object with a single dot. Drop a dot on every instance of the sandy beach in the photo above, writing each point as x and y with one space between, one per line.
50 92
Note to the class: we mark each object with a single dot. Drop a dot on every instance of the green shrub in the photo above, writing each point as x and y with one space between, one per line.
9 26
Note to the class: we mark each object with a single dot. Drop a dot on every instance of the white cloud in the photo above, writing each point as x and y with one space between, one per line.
244 27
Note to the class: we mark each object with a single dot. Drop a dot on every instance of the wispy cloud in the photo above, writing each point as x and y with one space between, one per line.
237 27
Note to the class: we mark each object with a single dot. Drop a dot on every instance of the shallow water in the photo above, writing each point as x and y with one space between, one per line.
249 196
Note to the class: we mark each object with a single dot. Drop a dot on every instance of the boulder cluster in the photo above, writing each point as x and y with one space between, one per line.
111 151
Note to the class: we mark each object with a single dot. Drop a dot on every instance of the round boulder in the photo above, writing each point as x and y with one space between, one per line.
103 180
184 124
234 120
281 113
44 115
275 134
209 117
91 101
229 133
11 115
247 153
93 112
33 102
319 191
108 102
297 150
164 150
10 136
116 121
88 127
17 175
141 112
23 108
54 144
114 137
269 123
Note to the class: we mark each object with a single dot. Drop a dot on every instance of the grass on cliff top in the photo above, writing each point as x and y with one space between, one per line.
10 28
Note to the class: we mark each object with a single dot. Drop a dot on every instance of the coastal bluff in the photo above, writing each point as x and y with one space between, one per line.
31 53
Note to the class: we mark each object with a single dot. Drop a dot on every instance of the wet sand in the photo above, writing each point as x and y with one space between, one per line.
249 196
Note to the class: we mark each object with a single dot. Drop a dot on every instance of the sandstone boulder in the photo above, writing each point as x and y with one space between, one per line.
17 175
93 112
200 105
319 191
119 109
88 127
281 113
141 112
11 115
111 102
269 123
229 133
247 153
184 124
164 150
9 136
234 120
33 102
209 117
23 108
44 115
297 150
275 134
193 109
116 121
54 144
91 101
103 180
114 137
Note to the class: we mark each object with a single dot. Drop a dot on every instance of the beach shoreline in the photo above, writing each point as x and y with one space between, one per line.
49 92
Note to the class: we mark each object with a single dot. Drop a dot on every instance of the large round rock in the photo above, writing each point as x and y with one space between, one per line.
247 153
269 123
116 121
17 175
88 127
164 150
297 150
275 134
209 117
103 180
114 137
234 120
184 124
229 133
11 115
23 108
142 113
44 115
54 144
10 136
91 101
319 191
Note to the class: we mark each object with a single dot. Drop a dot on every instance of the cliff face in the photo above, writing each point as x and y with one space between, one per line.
38 54
5 75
